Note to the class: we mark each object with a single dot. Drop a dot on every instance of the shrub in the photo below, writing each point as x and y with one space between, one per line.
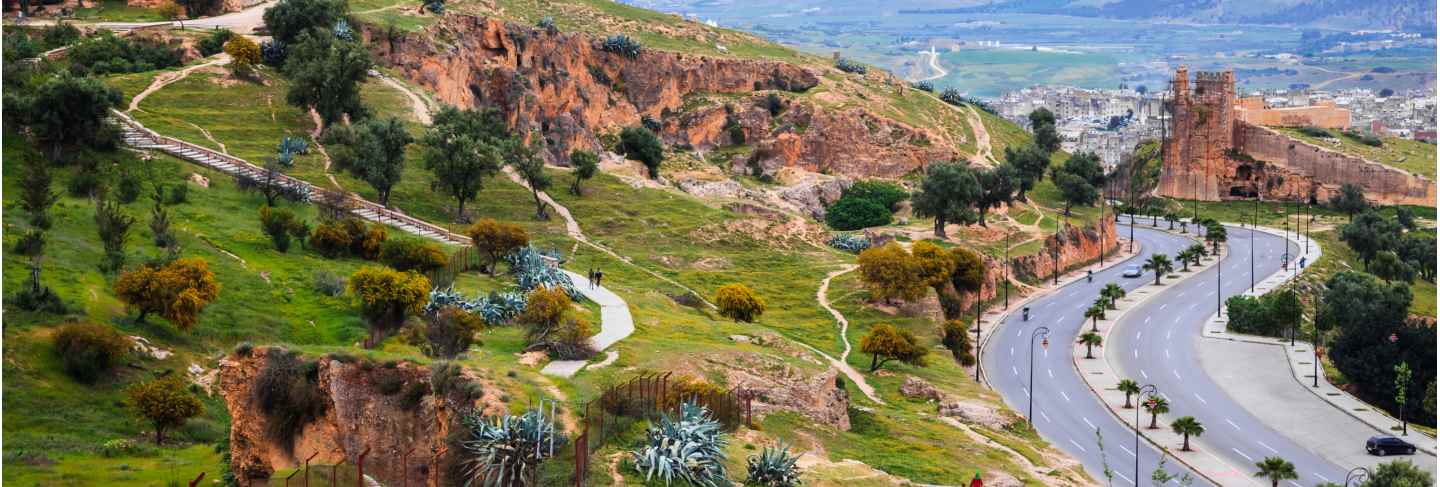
386 296
886 193
739 303
201 430
924 86
107 53
90 350
413 255
545 308
774 104
548 23
571 340
850 66
281 225
273 53
59 35
885 343
856 213
214 43
1315 132
348 237
956 338
952 96
641 144
690 448
622 45
496 239
329 283
1363 138
773 467
287 393
450 332
178 290
178 194
165 402
120 447
849 242
244 55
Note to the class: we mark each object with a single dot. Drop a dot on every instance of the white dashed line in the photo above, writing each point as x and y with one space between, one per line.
1127 479
1046 416
1197 397
1267 447
1232 424
1087 421
1247 457
1143 374
1163 305
1051 373
1147 320
1167 334
1127 450
1012 351
1176 372
1322 477
1167 354
1077 445
1026 391
1137 335
1014 370
1136 351
1066 396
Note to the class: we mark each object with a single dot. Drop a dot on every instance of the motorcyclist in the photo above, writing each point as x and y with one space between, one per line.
1089 275
1026 313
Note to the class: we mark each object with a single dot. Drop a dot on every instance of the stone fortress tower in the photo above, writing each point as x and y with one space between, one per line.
1215 153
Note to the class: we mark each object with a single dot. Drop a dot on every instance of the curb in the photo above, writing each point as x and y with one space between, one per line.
1215 329
1004 315
1076 358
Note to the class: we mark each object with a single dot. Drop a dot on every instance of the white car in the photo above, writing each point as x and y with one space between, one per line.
1133 271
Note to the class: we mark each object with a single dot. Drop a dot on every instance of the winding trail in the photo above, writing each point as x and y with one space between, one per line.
822 296
984 154
165 79
934 64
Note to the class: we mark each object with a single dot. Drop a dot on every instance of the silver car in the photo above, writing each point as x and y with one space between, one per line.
1133 271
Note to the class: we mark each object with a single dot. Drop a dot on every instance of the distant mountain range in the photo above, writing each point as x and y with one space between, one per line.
1406 15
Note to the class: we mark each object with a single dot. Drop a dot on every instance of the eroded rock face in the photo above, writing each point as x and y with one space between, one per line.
975 413
778 386
1073 246
567 89
916 387
357 416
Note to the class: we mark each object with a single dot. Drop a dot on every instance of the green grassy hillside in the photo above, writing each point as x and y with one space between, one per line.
1413 156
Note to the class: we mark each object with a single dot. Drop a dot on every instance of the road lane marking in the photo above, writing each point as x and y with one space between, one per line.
1167 334
1201 399
1027 391
1211 293
1087 421
1167 354
1247 457
1017 333
1046 416
1192 306
1127 450
1014 370
1012 351
1127 479
1067 396
1294 483
1176 372
1232 424
1136 351
1322 477
1137 335
1051 373
1143 374
1267 447
1163 305
1077 445
1147 320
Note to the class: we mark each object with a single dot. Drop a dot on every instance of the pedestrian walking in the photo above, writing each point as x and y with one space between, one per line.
599 275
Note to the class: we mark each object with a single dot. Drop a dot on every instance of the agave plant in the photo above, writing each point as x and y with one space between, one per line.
501 307
851 243
850 66
689 450
343 31
773 467
925 86
622 45
507 450
952 96
532 269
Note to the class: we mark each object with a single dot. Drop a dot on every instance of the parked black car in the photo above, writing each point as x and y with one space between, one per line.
1388 445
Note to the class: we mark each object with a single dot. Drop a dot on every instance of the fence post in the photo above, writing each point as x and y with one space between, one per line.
748 398
307 467
197 479
435 465
405 467
360 466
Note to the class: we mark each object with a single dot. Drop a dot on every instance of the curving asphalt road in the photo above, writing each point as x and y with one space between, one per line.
1067 413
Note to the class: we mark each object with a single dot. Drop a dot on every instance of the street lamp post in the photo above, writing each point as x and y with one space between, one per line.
1315 325
1005 271
1404 426
1358 474
977 336
1254 223
1152 391
1044 334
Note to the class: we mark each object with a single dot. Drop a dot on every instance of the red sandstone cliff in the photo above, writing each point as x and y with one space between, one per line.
357 416
571 91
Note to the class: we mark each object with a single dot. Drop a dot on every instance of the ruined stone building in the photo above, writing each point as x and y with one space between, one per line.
1221 147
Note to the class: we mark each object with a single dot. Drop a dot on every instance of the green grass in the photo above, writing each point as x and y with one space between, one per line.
118 11
1412 156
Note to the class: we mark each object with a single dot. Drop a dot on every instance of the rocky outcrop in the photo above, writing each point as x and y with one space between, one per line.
967 412
566 88
358 415
1288 169
1072 246
778 386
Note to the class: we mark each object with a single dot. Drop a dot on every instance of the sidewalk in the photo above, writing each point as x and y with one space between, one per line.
615 324
1102 379
1301 357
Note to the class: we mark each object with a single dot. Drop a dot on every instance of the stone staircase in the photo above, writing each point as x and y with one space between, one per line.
136 135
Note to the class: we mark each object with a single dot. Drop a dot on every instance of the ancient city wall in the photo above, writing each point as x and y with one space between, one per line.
1329 169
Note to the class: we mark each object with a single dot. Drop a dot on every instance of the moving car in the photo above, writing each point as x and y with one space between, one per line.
1133 271
1388 445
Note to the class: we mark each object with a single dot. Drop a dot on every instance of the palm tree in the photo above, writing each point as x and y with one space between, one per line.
1187 426
1095 314
1090 340
1160 263
1128 387
1183 257
1113 292
1171 217
1200 251
1155 405
1216 235
1277 469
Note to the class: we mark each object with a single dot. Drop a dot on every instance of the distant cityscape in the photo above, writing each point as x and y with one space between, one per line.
1110 123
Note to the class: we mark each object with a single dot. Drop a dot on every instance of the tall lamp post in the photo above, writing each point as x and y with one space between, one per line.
1318 291
1043 333
1150 390
1005 270
1358 474
1254 223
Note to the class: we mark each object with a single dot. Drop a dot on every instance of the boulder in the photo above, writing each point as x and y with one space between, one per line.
915 387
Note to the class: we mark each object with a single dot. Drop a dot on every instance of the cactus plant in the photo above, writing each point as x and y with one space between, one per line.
623 45
850 242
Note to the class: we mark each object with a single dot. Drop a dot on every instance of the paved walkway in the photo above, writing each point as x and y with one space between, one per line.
615 324
243 21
